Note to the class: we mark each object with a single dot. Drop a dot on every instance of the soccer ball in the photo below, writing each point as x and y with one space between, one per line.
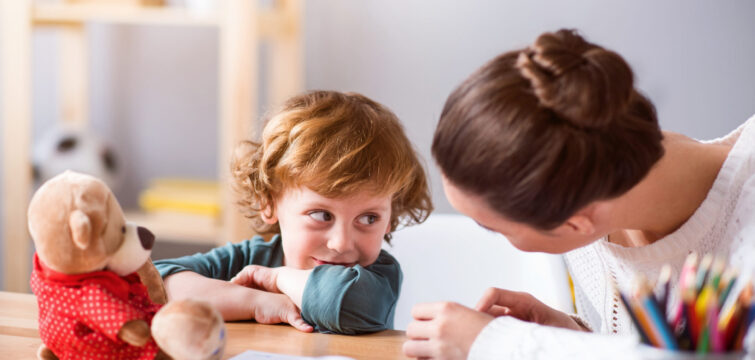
69 148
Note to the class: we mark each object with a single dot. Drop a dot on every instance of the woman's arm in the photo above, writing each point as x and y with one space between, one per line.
235 302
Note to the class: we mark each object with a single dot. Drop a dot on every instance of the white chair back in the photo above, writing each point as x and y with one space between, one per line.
451 258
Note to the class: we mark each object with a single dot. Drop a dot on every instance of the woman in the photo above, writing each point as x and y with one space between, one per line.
553 147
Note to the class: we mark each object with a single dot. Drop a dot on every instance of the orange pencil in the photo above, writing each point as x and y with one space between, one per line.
644 320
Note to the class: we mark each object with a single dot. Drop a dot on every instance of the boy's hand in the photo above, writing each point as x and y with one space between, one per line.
525 307
282 279
269 308
258 277
443 330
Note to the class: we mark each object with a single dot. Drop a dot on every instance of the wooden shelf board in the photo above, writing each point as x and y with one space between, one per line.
61 14
185 228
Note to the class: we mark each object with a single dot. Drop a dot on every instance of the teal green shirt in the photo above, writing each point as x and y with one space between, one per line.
337 299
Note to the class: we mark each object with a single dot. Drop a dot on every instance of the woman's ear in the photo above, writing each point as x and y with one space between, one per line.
585 221
581 224
268 215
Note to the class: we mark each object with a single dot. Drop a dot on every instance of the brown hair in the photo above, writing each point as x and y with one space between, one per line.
542 132
335 144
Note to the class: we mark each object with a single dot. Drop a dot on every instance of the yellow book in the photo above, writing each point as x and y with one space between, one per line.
182 195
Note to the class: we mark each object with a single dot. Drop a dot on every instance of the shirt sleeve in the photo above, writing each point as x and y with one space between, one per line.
223 262
352 300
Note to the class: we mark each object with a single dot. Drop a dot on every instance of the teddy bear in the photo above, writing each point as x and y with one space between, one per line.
97 291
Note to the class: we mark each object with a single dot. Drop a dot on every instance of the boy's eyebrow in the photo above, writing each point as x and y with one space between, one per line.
378 208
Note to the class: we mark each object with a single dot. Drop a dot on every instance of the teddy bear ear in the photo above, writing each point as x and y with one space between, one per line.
81 228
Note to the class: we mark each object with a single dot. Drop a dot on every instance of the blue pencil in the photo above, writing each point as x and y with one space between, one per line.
750 318
657 319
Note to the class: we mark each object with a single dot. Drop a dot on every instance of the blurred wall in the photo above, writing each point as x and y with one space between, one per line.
154 88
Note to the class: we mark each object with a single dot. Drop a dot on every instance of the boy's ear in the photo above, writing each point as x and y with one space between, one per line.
268 215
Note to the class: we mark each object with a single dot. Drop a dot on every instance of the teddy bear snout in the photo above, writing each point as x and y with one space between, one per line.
146 237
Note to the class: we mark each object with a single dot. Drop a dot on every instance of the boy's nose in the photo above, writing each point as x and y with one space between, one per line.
340 240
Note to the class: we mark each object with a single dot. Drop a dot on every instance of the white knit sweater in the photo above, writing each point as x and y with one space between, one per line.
723 224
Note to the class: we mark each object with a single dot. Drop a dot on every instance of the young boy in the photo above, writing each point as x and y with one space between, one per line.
333 177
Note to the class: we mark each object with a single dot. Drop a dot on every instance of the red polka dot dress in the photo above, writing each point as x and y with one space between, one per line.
80 315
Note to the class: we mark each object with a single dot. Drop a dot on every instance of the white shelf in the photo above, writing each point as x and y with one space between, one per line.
60 14
269 22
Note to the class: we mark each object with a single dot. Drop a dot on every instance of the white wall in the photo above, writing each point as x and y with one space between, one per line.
153 88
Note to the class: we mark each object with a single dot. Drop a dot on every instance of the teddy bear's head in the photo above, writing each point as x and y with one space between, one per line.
78 226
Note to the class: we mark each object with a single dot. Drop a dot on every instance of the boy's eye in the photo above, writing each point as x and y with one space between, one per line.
321 215
367 219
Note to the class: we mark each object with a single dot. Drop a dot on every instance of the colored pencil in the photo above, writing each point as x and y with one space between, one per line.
702 272
716 270
745 302
655 316
664 280
701 305
642 317
682 331
746 325
716 337
727 283
643 335
688 271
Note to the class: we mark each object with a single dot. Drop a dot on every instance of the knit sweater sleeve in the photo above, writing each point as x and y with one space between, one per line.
353 300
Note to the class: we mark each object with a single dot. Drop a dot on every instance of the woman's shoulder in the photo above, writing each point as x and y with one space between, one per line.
733 137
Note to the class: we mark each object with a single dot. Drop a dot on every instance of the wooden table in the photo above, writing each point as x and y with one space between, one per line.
19 336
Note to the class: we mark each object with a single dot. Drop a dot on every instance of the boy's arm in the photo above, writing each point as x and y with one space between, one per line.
286 280
204 277
353 300
346 300
220 263
236 302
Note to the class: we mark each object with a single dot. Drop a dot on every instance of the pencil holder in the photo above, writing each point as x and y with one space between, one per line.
710 319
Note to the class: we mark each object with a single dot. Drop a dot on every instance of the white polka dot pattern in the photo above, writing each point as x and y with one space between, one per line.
80 315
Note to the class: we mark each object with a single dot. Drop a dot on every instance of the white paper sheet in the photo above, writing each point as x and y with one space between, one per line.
257 355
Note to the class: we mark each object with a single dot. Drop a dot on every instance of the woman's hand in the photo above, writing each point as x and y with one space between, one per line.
443 330
525 307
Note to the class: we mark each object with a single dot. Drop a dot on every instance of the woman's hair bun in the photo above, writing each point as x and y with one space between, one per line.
582 83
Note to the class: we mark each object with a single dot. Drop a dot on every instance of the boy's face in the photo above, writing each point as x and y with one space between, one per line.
318 230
